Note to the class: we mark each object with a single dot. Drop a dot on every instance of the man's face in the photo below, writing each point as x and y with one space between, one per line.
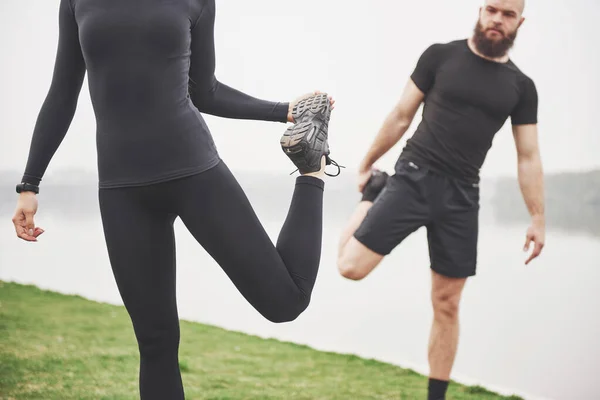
496 29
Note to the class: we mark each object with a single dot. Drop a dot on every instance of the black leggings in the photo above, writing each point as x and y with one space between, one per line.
138 227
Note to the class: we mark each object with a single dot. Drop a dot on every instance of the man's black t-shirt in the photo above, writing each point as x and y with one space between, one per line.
467 100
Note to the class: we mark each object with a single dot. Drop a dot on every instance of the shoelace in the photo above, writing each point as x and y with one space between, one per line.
328 161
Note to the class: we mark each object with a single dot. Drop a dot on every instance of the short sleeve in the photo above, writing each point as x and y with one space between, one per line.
424 73
527 108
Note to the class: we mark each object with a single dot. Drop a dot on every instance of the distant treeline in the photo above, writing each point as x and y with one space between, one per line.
74 194
572 201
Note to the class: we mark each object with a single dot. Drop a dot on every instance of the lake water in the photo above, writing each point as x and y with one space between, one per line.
531 330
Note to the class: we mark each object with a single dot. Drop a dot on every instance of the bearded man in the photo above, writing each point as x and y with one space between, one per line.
469 88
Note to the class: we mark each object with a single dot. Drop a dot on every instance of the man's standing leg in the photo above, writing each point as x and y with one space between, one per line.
443 340
452 238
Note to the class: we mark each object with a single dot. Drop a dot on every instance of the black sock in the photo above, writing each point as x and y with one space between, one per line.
437 389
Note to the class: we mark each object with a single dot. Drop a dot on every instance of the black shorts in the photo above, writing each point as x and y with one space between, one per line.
414 197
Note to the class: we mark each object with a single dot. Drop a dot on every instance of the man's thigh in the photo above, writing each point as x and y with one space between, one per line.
453 234
399 210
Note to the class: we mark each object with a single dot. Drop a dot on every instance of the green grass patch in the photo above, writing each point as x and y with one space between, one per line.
54 346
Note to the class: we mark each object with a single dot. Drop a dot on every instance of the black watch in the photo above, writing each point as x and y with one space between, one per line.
27 187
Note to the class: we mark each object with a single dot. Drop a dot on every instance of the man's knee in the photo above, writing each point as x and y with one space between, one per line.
446 306
356 261
351 270
355 267
445 296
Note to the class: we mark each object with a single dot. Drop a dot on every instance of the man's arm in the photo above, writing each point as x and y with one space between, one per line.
531 182
395 125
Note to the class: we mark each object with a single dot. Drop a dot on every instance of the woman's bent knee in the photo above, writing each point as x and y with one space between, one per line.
286 312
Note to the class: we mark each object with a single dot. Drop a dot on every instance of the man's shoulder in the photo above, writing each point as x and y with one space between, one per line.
441 50
457 44
522 77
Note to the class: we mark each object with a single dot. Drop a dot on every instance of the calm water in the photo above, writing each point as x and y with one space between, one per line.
530 330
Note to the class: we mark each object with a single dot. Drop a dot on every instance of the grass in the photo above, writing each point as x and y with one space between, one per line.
54 346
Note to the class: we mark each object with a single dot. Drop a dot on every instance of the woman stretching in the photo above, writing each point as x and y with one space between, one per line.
150 66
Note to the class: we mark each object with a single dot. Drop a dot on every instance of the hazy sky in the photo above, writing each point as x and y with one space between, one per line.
363 55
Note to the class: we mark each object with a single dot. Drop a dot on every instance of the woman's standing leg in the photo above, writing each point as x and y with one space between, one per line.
140 240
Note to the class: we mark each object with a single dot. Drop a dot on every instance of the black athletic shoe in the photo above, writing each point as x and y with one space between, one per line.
374 185
305 142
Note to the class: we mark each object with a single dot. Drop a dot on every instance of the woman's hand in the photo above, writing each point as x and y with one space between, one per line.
290 118
23 220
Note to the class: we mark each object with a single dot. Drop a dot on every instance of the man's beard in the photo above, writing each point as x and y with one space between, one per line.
489 47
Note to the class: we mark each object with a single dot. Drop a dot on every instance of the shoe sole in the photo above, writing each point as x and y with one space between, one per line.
312 120
310 107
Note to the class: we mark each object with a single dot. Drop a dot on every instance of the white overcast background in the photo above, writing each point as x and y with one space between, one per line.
360 52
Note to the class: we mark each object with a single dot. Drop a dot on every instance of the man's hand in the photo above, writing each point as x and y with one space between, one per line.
23 220
395 125
363 177
531 181
536 234
290 118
